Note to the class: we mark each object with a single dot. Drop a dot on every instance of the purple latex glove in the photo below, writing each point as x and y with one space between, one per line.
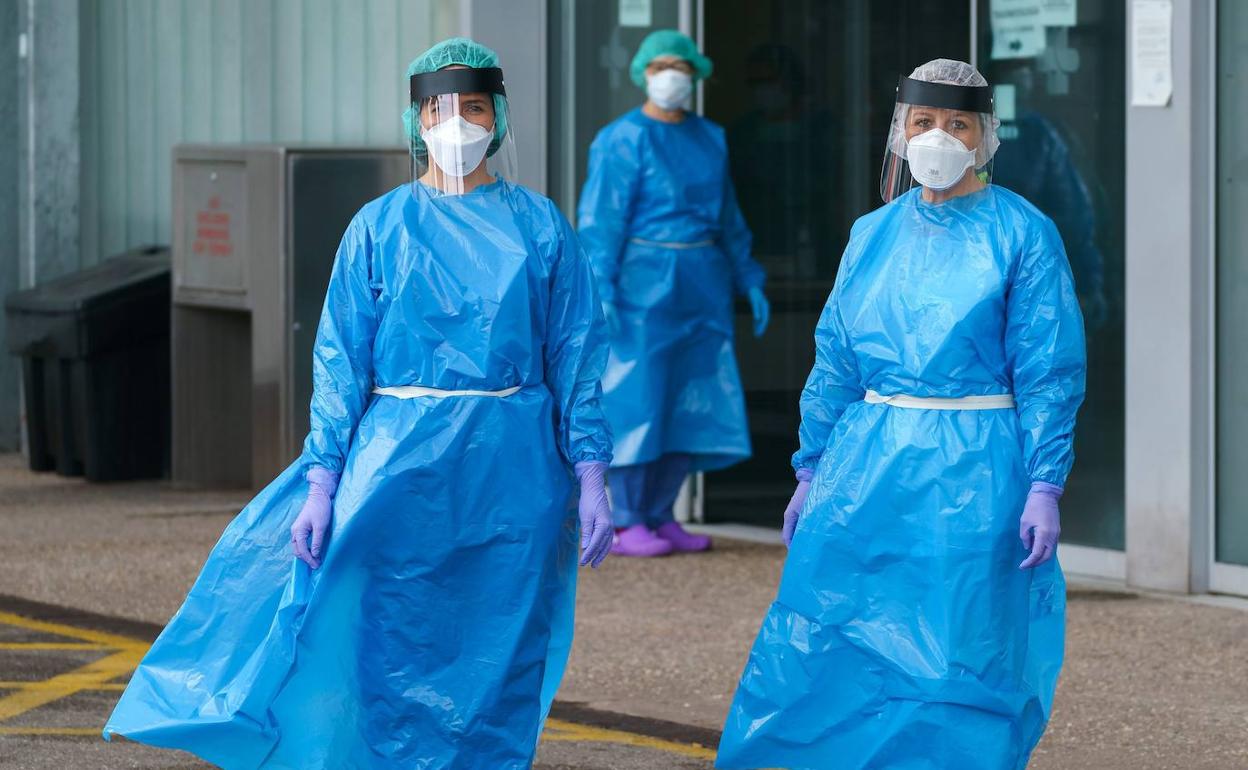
313 519
1040 524
794 508
597 530
760 308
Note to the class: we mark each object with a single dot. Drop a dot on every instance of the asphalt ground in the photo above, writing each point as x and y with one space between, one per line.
65 668
90 572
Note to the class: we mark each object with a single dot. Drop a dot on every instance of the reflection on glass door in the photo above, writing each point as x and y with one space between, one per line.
805 90
1231 530
1060 98
591 46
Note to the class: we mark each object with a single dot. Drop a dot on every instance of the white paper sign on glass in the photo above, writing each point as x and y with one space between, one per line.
1059 13
636 13
1152 82
1003 101
1017 28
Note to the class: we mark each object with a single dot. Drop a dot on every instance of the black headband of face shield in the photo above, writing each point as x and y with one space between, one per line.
945 95
487 80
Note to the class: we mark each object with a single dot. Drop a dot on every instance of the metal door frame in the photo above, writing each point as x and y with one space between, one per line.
690 504
1221 577
1093 561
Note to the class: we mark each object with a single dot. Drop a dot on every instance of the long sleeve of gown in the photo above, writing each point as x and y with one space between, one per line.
342 359
576 354
606 205
1045 347
833 384
737 242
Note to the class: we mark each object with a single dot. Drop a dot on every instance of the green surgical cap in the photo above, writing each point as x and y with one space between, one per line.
466 53
668 42
455 50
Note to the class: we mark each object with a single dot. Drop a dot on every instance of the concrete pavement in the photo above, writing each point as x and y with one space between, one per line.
1150 682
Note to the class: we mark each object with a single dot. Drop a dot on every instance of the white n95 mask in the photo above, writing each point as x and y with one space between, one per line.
457 146
669 89
937 159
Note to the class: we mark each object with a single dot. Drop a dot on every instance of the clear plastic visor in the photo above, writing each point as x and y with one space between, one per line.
460 141
944 163
952 148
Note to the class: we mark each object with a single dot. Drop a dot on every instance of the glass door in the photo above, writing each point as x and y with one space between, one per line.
1230 547
1060 96
591 46
805 90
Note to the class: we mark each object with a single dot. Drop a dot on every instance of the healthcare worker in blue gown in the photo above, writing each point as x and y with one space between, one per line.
660 223
920 617
428 617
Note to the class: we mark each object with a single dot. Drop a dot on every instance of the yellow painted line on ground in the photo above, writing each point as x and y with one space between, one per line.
40 683
59 629
129 652
558 730
52 646
555 731
51 731
64 685
98 674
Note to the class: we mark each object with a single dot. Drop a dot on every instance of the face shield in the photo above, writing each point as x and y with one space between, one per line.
940 133
459 130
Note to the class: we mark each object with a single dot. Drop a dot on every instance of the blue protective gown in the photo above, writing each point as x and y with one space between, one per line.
903 635
660 222
437 628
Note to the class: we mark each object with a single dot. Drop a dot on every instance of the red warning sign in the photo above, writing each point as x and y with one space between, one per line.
212 230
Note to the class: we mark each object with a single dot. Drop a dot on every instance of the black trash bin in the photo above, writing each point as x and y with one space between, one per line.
95 367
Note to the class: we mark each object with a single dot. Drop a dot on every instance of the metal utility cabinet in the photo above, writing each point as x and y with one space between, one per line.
255 231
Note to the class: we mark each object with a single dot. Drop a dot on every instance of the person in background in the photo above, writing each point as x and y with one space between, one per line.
1037 162
660 222
402 595
920 618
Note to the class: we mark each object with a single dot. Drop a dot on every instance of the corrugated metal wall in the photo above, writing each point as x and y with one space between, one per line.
159 72
10 272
